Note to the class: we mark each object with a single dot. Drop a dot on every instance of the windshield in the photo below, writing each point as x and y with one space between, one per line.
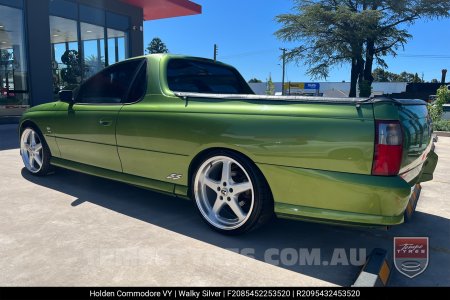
204 76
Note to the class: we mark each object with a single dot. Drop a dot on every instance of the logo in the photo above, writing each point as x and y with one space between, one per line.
174 176
411 255
224 192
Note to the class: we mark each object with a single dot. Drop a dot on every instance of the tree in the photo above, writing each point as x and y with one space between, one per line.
156 46
270 89
93 64
254 80
434 80
360 32
381 75
416 78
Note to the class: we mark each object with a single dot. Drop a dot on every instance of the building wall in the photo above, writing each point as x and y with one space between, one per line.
39 47
39 52
39 39
136 20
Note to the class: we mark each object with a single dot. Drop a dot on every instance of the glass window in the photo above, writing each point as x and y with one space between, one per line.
110 85
63 8
139 86
202 76
65 57
117 49
13 67
93 42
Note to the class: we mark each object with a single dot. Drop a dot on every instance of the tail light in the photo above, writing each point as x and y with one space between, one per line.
387 157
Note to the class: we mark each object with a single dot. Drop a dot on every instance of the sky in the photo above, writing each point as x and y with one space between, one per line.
244 32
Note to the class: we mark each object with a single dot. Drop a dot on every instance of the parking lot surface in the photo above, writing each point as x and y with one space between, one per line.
71 229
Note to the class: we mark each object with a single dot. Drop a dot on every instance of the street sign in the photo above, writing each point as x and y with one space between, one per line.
303 85
312 86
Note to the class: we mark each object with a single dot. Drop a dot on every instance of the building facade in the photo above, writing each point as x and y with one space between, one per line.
48 45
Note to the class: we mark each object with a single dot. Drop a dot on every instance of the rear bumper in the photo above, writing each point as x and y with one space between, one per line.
336 197
424 171
428 167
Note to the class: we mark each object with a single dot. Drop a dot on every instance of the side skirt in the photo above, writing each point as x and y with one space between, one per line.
151 184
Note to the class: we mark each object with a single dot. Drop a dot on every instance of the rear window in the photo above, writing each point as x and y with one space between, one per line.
197 76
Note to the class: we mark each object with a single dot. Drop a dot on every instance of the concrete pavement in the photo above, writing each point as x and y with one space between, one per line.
71 229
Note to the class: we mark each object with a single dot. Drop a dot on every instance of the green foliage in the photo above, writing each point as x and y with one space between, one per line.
382 75
156 46
270 89
365 89
441 125
435 109
254 80
416 78
93 64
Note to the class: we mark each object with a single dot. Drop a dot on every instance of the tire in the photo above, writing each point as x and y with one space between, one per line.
233 200
35 152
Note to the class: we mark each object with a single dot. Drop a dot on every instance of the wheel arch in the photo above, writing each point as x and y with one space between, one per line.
199 157
29 123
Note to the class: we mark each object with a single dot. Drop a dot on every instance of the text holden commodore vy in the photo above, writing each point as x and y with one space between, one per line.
193 128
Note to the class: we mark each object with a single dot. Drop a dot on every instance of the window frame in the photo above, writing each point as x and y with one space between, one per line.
134 76
143 65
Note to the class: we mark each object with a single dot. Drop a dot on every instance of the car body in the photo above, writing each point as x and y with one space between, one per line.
307 158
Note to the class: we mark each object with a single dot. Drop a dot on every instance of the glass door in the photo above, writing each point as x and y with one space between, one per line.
65 56
93 43
13 68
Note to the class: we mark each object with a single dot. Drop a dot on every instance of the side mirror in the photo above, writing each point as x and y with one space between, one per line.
66 96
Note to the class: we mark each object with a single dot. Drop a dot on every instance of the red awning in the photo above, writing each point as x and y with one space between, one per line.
161 9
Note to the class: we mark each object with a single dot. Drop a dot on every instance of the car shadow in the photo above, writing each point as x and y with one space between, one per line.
181 216
9 138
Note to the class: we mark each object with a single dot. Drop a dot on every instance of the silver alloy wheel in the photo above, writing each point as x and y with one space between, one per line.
224 192
31 150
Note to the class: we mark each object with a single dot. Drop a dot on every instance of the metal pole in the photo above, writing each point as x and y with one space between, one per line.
215 52
284 70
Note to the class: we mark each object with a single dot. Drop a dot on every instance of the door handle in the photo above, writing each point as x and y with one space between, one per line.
105 122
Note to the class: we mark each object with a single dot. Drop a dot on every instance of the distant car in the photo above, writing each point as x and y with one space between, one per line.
431 98
446 114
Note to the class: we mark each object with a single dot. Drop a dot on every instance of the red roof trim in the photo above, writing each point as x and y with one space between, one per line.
161 9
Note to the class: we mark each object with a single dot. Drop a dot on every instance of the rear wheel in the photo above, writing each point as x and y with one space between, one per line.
231 193
34 151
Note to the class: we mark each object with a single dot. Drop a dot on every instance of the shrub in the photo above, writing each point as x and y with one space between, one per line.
441 125
435 109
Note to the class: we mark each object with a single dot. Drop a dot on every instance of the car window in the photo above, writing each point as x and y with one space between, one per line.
139 85
203 76
109 85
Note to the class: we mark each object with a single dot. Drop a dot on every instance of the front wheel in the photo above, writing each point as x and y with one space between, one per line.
34 151
231 193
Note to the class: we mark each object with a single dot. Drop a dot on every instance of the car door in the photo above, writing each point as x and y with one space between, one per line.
86 129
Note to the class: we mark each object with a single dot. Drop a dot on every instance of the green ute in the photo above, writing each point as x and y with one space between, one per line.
192 127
